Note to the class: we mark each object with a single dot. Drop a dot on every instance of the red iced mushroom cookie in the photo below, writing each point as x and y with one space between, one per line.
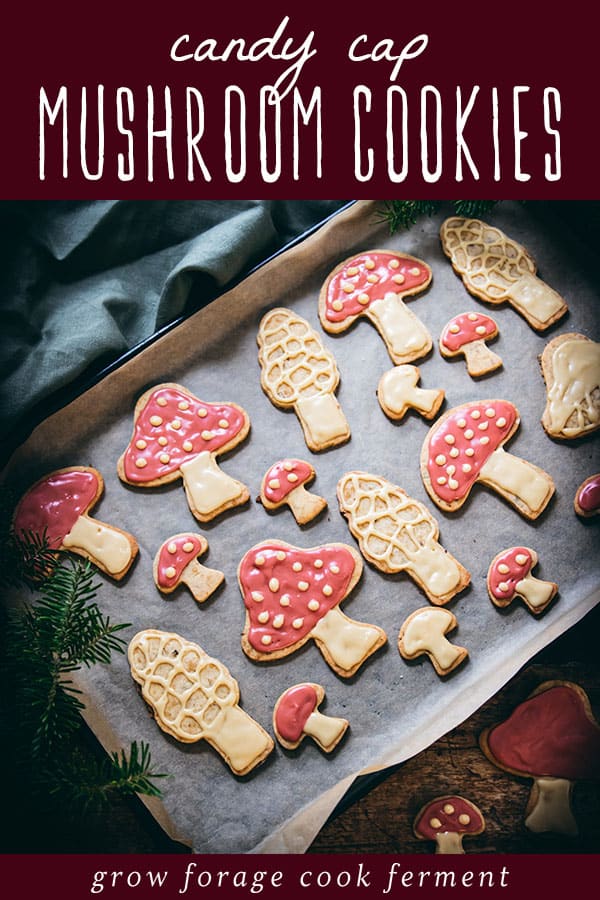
587 497
296 715
424 632
447 820
571 369
176 435
177 563
397 392
509 576
292 595
466 445
373 284
466 335
553 738
285 484
56 509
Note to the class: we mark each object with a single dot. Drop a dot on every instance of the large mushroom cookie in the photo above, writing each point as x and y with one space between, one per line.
284 484
176 563
571 369
509 576
292 595
497 269
176 435
296 716
553 738
194 697
373 284
299 373
55 509
398 534
447 821
466 445
423 633
397 392
466 335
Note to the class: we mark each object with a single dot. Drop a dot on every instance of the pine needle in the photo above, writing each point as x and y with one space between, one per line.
401 215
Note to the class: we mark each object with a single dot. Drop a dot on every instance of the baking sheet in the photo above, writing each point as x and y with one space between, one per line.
395 708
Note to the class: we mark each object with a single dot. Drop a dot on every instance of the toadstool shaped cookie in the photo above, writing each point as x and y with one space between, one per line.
299 373
372 284
292 595
398 534
176 563
509 576
397 392
447 820
194 697
424 632
497 269
571 369
56 509
466 446
296 715
553 738
587 497
176 435
285 484
466 335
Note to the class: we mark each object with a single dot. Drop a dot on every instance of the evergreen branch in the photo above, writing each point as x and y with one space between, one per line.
403 214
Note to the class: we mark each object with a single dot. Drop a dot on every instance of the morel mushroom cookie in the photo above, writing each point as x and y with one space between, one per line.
284 484
587 497
176 435
571 369
466 335
509 576
56 509
398 534
497 269
194 697
296 715
447 820
292 595
373 284
177 563
466 446
299 373
397 392
424 632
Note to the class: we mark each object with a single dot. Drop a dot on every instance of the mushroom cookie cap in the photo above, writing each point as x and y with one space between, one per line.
54 503
465 328
452 814
284 476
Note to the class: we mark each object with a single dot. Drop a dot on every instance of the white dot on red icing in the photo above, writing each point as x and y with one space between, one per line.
469 433
318 563
501 422
449 438
163 441
369 264
454 452
164 458
187 547
263 617
473 317
441 480
170 572
161 401
453 484
207 435
476 414
265 639
352 270
202 412
280 555
274 585
448 808
172 547
188 446
394 263
521 559
313 605
435 823
292 478
363 299
141 462
454 329
503 586
183 404
467 467
156 421
303 585
337 305
399 278
288 466
414 271
480 329
334 568
484 440
440 459
259 560
372 279
464 819
451 470
274 483
257 596
461 423
327 590
297 567
284 600
503 569
490 412
141 445
176 424
278 621
483 426
469 451
297 623
223 423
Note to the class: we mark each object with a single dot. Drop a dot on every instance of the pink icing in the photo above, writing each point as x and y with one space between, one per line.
454 340
517 572
177 560
255 579
475 419
375 291
549 734
588 495
449 821
293 709
54 504
178 426
279 473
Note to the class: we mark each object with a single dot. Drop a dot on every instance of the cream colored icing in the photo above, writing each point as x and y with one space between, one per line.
326 730
322 420
534 591
398 391
552 809
208 487
346 641
533 297
405 335
576 374
448 842
110 548
424 633
515 476
238 738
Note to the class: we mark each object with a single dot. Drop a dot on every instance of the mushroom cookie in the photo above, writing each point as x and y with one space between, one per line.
56 509
296 715
587 497
571 369
496 269
509 576
553 738
177 563
193 697
176 435
466 445
397 392
373 284
466 335
424 632
292 595
398 534
299 373
284 484
447 820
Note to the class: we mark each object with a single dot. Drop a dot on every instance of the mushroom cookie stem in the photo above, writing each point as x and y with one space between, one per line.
104 545
549 807
404 334
522 483
423 632
480 359
322 420
344 642
208 488
304 505
325 730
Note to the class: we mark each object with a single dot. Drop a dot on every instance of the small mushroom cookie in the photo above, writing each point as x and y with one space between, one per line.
372 284
466 335
284 484
571 369
298 372
296 715
587 497
424 632
447 820
466 446
292 595
56 509
176 435
497 269
176 562
194 697
509 576
397 392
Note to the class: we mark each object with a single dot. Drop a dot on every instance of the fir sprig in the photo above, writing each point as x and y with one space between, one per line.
403 214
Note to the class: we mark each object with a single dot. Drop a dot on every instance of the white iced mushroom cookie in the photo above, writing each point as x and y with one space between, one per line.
424 632
284 484
398 392
509 576
467 335
176 563
571 369
296 716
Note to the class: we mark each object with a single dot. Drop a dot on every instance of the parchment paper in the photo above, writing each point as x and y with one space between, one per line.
395 708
